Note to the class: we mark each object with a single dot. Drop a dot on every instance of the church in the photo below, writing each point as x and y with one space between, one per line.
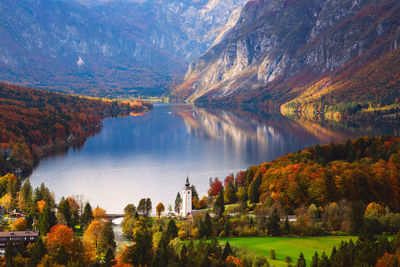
186 208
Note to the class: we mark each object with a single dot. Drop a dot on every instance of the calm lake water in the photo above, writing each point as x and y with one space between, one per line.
150 155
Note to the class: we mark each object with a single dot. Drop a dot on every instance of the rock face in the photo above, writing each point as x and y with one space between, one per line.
100 47
278 47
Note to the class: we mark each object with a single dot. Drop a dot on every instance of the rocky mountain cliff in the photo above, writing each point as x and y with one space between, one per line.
106 47
278 50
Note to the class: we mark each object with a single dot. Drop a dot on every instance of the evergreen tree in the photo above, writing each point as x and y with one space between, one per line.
178 203
254 193
227 250
301 262
366 249
324 261
87 215
286 226
107 238
356 216
333 255
273 223
47 219
172 230
36 252
65 210
109 258
219 206
315 260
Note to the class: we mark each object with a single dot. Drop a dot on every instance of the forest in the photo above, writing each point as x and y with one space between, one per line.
35 122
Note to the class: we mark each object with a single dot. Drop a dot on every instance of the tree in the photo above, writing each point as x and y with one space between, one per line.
93 234
366 248
242 196
65 210
273 223
160 209
107 239
87 215
356 218
36 252
172 230
301 262
19 225
178 203
254 193
145 207
130 210
99 213
47 219
229 193
315 260
215 187
59 242
219 206
374 210
194 195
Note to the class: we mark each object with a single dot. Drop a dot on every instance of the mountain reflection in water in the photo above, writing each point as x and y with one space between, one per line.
149 155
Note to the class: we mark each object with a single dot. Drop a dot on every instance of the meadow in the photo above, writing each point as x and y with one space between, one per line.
288 246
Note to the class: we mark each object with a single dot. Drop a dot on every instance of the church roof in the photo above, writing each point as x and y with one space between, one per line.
187 184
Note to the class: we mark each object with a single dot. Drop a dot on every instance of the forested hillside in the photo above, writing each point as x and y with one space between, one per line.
32 122
366 169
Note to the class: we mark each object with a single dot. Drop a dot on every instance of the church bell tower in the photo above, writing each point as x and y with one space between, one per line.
187 199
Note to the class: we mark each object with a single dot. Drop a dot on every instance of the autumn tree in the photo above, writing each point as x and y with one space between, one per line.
19 225
99 213
215 187
160 209
93 234
59 243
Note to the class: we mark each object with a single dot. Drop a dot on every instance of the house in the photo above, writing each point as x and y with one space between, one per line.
17 237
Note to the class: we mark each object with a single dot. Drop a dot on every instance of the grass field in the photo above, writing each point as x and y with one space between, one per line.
285 246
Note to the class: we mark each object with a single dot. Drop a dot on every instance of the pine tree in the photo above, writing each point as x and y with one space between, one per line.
315 260
87 215
254 194
219 206
301 262
107 238
172 230
65 210
227 250
178 203
273 223
324 261
366 248
356 217
37 251
47 219
208 225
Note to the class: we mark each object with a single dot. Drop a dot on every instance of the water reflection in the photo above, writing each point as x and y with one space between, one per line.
149 155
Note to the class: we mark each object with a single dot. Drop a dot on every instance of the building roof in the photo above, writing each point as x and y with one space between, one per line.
19 233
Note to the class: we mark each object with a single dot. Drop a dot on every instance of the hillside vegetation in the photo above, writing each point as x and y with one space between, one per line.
366 169
32 122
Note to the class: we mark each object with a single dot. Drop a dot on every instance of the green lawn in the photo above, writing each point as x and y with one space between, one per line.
285 246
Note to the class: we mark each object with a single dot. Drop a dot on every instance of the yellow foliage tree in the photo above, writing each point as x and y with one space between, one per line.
160 209
19 225
6 202
374 210
41 204
93 234
99 213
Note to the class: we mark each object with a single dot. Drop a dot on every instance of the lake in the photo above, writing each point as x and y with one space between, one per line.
150 155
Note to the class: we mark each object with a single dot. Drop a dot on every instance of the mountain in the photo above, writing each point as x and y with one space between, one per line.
280 50
101 47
